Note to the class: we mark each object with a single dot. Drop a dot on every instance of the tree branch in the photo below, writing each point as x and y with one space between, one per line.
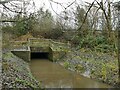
6 1
10 9
70 4
86 15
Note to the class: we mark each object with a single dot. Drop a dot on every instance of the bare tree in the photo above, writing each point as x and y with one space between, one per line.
9 8
117 5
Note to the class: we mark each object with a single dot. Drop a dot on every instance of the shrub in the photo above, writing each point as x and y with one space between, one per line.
75 41
88 42
101 40
53 33
66 64
105 48
98 43
20 28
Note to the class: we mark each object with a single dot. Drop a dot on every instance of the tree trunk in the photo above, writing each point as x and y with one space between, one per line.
119 39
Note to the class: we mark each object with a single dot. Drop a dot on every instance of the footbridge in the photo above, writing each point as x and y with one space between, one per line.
39 48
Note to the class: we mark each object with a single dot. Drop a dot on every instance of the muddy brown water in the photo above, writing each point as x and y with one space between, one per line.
54 75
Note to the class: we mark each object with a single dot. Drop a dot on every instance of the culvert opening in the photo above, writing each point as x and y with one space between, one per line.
39 55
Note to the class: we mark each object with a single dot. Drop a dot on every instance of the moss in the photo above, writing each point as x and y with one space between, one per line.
7 56
80 68
66 64
102 66
104 72
18 72
26 83
5 66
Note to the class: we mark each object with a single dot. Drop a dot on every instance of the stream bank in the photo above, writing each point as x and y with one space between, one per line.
96 65
16 73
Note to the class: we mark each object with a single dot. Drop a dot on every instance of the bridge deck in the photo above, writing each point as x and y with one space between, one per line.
55 49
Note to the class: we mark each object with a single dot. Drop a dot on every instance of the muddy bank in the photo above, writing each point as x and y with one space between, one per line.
100 66
16 73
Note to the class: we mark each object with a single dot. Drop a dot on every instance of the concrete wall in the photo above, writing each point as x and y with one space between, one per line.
23 49
25 55
57 55
39 49
50 54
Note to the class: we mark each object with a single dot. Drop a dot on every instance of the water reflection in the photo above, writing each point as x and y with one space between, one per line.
53 75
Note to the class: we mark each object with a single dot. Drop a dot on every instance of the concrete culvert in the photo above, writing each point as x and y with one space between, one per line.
39 55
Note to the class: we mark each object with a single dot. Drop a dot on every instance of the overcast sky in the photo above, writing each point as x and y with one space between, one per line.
57 8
